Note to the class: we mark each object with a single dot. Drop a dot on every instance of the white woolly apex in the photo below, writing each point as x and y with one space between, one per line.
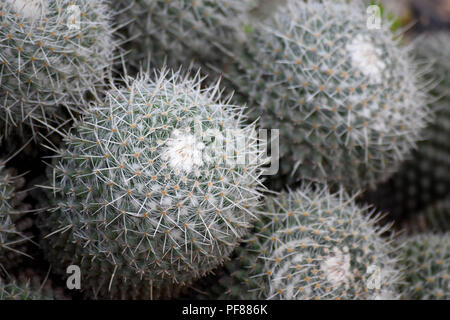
34 9
337 267
183 151
367 58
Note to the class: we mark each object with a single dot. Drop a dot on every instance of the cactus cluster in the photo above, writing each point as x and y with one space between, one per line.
314 244
51 54
348 100
151 185
155 183
180 32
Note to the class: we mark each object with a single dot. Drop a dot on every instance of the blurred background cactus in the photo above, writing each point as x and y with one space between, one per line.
181 33
349 101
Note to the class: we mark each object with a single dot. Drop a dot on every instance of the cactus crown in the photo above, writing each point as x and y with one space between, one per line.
147 186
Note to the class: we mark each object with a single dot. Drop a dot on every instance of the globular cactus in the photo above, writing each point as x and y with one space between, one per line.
427 260
154 187
52 52
424 180
313 244
347 99
180 32
11 237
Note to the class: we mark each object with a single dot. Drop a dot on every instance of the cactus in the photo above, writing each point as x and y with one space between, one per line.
15 291
180 32
347 99
11 237
312 244
424 180
146 196
50 58
427 261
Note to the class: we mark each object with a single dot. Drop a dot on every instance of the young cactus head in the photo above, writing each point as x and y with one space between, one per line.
346 98
312 244
158 184
427 260
52 53
180 32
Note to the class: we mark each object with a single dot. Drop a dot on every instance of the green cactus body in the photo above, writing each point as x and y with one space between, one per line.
423 180
310 244
180 32
146 196
14 291
11 238
347 99
427 261
51 54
